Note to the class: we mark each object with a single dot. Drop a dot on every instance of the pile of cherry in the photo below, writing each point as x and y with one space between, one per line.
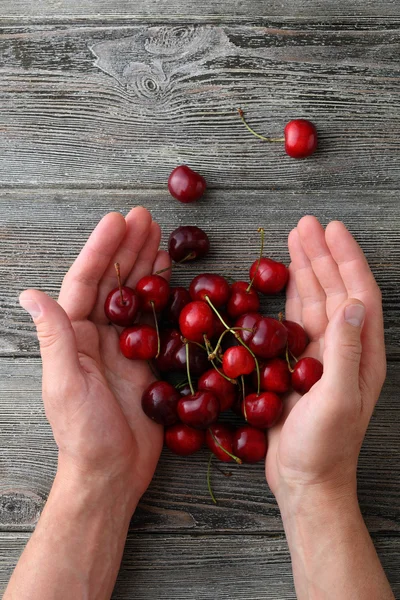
233 357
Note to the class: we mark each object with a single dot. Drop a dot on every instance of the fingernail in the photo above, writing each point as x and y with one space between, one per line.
354 314
31 307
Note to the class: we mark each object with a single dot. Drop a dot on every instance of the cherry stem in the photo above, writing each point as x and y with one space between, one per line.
262 232
228 474
281 316
156 325
118 270
260 137
288 359
209 347
244 396
217 313
181 384
217 347
188 369
185 341
235 458
189 256
209 479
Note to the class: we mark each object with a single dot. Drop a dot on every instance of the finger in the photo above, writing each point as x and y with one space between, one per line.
79 289
56 338
138 226
294 307
312 295
144 263
312 237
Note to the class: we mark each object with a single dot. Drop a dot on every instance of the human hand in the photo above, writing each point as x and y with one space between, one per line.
315 446
91 392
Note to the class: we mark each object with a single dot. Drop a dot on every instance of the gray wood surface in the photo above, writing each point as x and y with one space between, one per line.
121 106
251 567
99 100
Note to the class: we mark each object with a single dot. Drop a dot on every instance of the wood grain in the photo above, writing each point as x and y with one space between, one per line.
42 232
121 106
207 567
178 499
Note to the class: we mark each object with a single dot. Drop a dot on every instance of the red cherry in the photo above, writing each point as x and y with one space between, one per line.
297 338
186 185
172 355
178 298
199 410
237 361
301 138
196 321
264 410
215 287
188 243
152 289
267 337
242 300
223 434
122 303
249 444
160 402
270 277
305 374
274 376
224 390
184 440
139 342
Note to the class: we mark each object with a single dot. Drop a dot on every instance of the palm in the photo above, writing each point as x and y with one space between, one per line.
120 434
327 268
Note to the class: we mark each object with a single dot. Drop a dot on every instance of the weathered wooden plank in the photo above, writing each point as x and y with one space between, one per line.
323 9
43 231
225 567
178 499
121 106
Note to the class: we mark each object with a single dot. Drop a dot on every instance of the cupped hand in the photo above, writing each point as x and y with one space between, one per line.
333 294
91 392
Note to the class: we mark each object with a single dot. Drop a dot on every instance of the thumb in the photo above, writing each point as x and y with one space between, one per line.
342 354
55 333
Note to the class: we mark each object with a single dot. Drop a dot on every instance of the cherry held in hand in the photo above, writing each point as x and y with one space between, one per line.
262 410
139 342
249 444
184 440
160 403
199 410
122 304
306 373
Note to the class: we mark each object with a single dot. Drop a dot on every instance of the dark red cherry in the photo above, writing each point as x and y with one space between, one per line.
186 185
301 138
306 373
184 440
122 303
297 338
242 301
152 289
223 434
160 402
237 361
267 337
224 390
274 376
199 410
172 355
188 242
215 287
237 406
270 277
249 444
219 327
262 410
178 298
139 342
196 321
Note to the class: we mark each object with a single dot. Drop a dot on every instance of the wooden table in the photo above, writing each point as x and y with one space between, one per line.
100 100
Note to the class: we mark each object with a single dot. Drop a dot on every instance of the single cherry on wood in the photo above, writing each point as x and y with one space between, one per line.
243 299
199 410
186 185
237 361
153 292
265 336
208 285
306 373
139 342
249 444
122 303
196 321
188 242
160 403
262 410
224 390
184 440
